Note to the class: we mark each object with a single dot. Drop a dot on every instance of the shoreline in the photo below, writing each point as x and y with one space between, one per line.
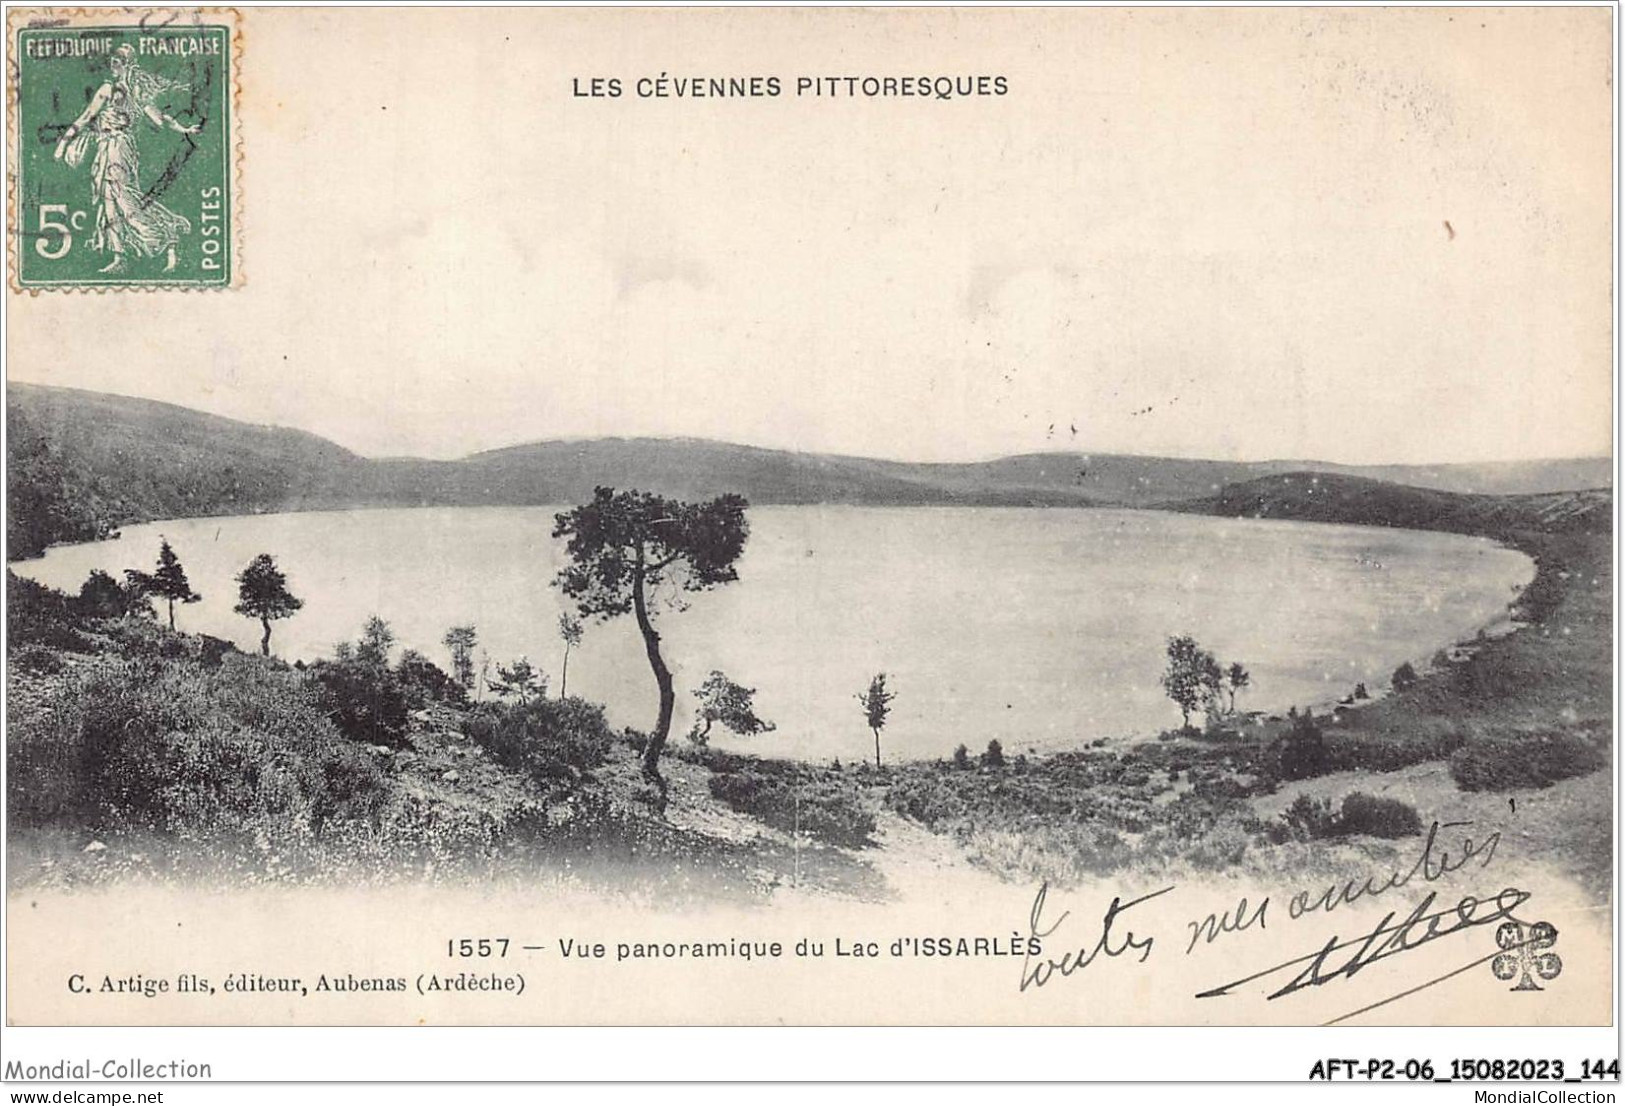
1176 509
1493 702
1053 730
1169 802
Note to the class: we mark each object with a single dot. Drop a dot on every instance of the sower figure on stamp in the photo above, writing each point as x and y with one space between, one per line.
127 220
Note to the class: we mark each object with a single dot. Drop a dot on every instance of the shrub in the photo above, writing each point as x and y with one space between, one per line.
141 637
830 809
1065 854
212 651
1222 848
1376 816
41 615
1404 677
926 799
37 660
837 816
1372 815
961 757
994 757
365 701
548 738
1416 742
424 682
1310 818
242 749
1495 673
1510 761
102 596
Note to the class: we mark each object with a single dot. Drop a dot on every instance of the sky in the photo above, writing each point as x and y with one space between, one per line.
1362 236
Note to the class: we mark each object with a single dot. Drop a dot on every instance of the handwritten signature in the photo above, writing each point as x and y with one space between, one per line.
1038 974
1422 926
1336 959
1432 863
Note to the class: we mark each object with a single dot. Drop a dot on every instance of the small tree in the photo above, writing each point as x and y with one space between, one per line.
876 706
262 593
994 757
961 756
519 680
571 630
722 700
624 546
460 640
377 639
1236 678
1192 678
167 582
1210 677
1303 748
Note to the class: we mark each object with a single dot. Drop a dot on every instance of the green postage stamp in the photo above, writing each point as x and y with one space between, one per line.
124 149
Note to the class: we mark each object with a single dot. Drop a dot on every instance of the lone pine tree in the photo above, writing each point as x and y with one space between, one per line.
168 581
262 593
623 546
876 702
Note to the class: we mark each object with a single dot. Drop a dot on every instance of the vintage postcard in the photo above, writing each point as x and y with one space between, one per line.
732 517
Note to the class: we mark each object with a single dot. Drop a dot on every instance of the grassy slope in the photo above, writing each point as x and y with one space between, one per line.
451 811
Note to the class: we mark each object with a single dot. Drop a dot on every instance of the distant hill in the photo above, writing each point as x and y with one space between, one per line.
1493 478
82 463
1355 500
551 472
565 472
1140 481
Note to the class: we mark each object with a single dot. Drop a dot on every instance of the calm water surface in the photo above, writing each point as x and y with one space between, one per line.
1042 628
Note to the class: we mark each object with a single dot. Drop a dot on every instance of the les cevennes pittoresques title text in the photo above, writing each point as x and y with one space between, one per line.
665 86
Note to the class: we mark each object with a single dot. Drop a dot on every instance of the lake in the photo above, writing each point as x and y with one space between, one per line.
1042 628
